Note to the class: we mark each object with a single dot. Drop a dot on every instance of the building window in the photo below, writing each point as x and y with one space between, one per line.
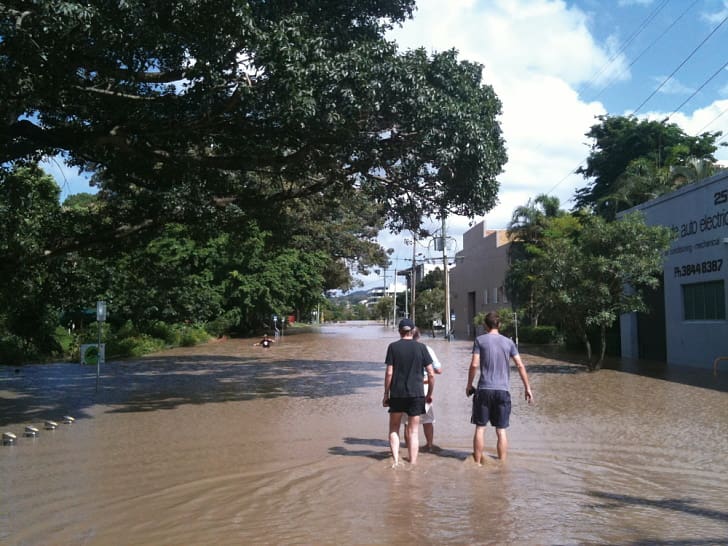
502 294
485 297
495 295
704 301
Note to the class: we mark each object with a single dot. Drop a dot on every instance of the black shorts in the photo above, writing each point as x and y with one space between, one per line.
410 406
491 405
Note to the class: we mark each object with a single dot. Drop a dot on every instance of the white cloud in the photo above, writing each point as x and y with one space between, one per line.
717 16
635 2
672 86
535 53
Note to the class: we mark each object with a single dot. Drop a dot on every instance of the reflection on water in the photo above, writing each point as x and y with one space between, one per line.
230 443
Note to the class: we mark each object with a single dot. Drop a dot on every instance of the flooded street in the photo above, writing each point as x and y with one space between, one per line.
233 444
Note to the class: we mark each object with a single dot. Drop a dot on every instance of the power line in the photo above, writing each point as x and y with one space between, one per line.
644 51
711 121
706 82
693 52
642 26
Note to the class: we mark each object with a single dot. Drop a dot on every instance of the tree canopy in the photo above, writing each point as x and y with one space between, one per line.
587 266
630 160
182 108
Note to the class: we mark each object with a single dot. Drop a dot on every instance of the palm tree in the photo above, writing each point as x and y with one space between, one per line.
695 169
526 229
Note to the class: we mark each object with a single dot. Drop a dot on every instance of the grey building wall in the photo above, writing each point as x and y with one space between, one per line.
698 216
477 282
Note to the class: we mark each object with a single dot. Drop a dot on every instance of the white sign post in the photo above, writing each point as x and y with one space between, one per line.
100 318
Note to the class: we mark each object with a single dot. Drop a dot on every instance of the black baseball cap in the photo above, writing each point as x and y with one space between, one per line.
406 324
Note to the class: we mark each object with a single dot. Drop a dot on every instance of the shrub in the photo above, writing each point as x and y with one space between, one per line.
11 351
223 324
192 335
169 333
135 346
538 334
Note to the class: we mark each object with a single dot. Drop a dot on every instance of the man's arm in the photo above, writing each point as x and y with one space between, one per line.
387 384
524 377
474 368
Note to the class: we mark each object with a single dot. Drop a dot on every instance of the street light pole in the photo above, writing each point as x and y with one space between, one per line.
414 273
447 279
394 298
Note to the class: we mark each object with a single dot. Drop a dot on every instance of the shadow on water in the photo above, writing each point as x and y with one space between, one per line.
162 383
555 360
684 506
382 451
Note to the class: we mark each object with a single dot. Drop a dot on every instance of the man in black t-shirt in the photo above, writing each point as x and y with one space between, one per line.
404 390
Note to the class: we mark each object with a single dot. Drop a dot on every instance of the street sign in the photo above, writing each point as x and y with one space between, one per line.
101 311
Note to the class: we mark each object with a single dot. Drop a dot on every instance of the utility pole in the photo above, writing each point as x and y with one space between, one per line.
394 299
414 273
447 279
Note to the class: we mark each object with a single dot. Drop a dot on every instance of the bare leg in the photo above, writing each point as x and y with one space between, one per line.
502 443
429 429
413 438
395 419
478 444
406 434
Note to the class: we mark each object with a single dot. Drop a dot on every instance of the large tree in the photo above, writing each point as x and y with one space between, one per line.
183 108
593 274
629 158
528 227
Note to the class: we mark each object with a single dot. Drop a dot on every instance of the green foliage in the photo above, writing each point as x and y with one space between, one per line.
507 321
528 227
630 160
193 335
13 351
434 279
246 156
584 274
132 347
183 108
429 306
383 309
360 312
224 324
539 334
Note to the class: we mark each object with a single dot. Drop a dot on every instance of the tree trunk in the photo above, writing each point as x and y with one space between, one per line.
587 343
603 350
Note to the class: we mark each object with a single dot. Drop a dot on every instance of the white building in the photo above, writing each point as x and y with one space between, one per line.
687 324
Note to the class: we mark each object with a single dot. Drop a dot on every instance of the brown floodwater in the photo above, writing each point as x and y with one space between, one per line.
228 443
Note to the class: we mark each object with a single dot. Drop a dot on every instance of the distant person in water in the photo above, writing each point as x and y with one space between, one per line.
266 342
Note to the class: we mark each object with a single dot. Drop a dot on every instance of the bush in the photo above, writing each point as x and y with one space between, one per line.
507 327
224 324
169 333
65 340
11 351
538 334
135 346
192 335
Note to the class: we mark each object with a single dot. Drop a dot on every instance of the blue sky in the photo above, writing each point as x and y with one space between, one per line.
556 65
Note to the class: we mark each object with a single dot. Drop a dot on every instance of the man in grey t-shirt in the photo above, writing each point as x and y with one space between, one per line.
492 401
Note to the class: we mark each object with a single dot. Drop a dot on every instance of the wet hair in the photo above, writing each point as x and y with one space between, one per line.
492 320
